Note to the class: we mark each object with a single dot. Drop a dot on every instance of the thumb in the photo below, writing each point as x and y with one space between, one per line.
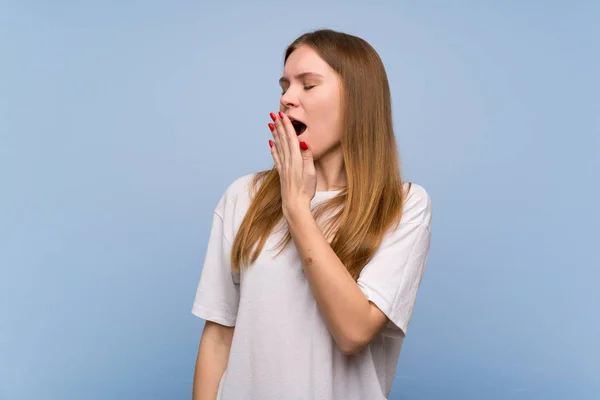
307 157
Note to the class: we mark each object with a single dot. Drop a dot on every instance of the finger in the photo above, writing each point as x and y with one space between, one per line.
275 155
308 162
281 139
290 135
274 145
275 134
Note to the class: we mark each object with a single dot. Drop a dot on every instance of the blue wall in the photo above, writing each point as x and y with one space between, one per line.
122 123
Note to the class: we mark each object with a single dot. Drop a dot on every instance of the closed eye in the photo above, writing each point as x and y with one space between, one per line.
305 88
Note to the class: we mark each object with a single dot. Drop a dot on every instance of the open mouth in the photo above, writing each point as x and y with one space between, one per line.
300 127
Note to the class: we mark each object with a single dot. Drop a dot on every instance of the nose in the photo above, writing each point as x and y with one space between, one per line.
289 99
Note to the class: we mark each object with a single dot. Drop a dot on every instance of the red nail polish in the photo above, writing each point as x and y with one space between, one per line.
271 127
270 143
273 116
303 146
280 115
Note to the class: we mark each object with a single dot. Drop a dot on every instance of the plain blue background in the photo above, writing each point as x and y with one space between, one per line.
122 123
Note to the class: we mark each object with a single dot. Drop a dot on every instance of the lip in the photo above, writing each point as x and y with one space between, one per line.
295 119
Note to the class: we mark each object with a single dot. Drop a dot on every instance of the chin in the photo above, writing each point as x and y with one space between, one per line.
316 153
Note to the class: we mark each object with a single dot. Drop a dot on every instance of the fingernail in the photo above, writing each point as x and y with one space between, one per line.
280 115
270 143
303 146
273 116
271 127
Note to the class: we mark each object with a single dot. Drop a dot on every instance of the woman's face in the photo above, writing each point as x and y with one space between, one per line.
311 95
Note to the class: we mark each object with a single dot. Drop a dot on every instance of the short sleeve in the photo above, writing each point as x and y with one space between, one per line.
393 276
217 295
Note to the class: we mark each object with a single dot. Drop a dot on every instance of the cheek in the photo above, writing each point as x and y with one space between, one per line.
333 126
327 111
327 134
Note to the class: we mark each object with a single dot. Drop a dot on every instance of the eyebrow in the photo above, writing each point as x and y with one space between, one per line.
283 79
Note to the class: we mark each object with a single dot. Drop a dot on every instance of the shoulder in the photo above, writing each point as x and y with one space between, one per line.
417 205
240 185
415 221
237 191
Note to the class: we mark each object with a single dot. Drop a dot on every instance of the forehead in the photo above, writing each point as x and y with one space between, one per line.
305 59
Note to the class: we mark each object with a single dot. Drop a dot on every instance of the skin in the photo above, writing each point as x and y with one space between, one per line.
352 320
211 361
314 99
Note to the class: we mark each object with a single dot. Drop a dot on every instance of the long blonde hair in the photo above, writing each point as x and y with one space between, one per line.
371 203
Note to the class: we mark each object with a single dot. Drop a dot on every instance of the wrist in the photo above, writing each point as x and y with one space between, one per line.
296 212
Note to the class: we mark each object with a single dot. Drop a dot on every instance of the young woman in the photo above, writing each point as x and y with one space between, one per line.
313 267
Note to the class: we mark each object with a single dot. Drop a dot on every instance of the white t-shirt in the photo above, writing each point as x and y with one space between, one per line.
281 348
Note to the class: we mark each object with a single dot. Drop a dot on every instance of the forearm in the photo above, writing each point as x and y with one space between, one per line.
343 305
211 362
